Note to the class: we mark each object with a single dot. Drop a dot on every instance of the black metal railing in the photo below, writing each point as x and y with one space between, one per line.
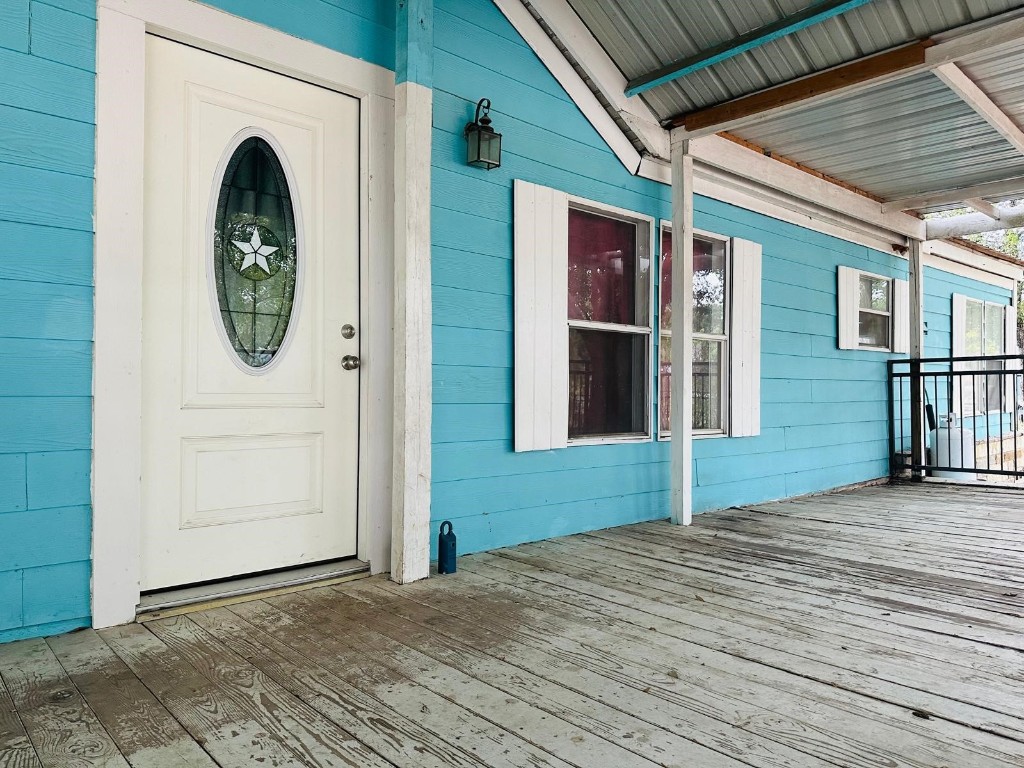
957 417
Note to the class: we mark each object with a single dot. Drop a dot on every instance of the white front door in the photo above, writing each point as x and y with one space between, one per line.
251 275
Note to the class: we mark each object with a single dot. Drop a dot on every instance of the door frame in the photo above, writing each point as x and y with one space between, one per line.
122 26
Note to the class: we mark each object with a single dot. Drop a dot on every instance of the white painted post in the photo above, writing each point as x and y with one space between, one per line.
410 511
916 349
682 331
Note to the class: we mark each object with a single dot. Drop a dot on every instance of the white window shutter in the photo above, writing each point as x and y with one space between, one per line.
848 308
900 317
541 277
745 340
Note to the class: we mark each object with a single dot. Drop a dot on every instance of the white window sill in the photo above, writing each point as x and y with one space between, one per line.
608 440
696 435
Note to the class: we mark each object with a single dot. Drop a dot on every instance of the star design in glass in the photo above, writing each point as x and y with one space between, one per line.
255 251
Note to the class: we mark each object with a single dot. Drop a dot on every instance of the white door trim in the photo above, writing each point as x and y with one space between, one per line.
117 387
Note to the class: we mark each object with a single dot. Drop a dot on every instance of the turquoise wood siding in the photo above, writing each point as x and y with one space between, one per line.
47 53
823 421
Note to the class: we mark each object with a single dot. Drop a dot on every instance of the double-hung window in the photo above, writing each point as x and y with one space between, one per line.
873 311
982 328
711 289
609 311
726 335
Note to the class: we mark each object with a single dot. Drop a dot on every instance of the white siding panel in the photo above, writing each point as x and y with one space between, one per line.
541 327
745 340
901 317
848 308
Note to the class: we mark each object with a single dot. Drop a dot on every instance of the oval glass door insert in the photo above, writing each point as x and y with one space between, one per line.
255 253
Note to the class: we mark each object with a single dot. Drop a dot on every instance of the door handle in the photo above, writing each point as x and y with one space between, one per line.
350 362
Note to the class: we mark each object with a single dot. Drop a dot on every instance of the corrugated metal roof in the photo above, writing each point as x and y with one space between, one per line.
894 140
642 35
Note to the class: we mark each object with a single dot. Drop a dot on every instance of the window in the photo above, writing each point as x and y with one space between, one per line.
726 336
609 324
980 328
874 320
710 334
255 257
583 336
873 311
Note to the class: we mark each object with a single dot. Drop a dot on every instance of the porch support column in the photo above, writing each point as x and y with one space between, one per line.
916 349
410 511
682 331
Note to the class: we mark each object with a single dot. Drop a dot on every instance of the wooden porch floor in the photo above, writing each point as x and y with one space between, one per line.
880 628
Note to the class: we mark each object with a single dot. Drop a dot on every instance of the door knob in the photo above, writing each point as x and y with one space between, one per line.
350 362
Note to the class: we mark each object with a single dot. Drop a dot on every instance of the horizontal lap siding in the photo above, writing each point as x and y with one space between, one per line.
46 178
496 497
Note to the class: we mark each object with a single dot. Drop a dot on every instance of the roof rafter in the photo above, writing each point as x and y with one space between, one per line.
979 101
808 17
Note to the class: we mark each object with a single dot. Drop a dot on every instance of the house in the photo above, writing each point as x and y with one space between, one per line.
260 312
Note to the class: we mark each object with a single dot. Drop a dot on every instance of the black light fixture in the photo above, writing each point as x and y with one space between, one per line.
483 144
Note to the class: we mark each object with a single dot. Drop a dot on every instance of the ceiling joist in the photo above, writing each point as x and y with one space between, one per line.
979 101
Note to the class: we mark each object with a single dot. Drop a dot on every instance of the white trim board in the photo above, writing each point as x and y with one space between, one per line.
120 142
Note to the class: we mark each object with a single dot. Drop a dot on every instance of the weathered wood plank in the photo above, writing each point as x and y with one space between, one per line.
220 718
829 614
762 707
16 750
366 668
770 667
144 731
395 737
584 710
548 732
62 727
312 738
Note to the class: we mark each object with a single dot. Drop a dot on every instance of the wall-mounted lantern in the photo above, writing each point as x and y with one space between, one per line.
483 144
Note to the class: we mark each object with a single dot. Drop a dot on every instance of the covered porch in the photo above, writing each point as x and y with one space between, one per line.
876 626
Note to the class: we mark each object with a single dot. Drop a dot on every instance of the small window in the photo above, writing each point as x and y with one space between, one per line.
609 325
873 311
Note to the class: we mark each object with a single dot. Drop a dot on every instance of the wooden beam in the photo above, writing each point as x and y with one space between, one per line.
836 79
985 207
979 101
1005 188
975 223
808 17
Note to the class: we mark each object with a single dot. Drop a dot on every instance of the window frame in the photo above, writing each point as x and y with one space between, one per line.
891 314
968 300
644 224
666 336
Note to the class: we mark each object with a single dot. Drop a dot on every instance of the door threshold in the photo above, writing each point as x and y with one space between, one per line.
174 602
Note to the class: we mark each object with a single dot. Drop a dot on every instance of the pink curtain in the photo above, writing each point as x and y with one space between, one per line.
602 269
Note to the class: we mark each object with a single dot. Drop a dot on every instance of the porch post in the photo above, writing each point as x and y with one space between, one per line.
410 510
916 348
682 331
